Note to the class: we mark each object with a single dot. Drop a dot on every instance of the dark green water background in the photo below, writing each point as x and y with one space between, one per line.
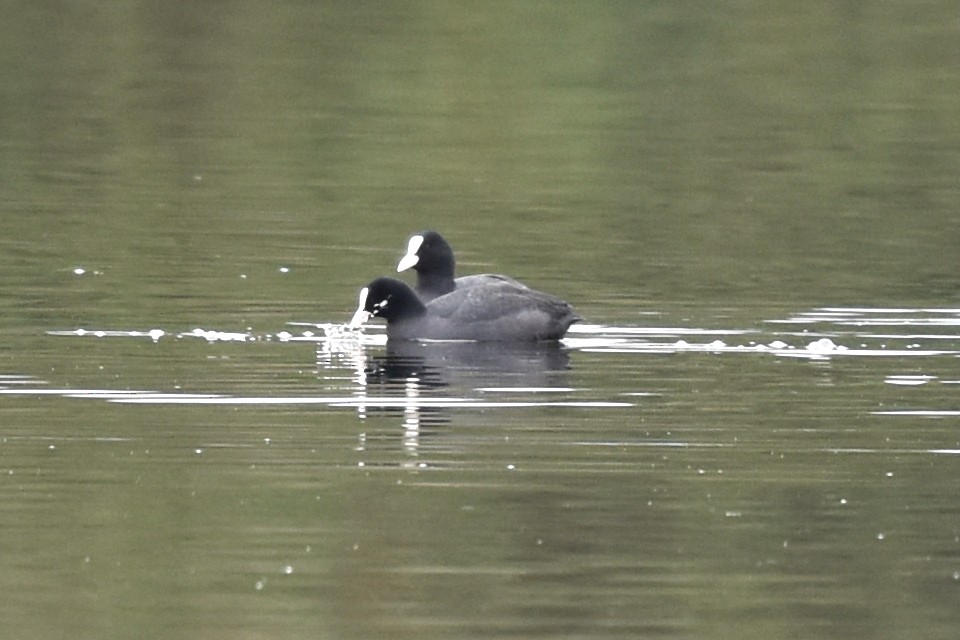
239 166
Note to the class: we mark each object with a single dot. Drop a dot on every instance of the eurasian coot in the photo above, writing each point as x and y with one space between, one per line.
432 258
499 311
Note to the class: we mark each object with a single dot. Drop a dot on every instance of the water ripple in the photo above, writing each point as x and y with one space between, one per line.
828 332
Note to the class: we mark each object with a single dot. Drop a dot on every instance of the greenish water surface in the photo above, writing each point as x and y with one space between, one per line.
754 434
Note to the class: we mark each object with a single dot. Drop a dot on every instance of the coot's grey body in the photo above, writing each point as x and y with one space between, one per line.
432 258
499 311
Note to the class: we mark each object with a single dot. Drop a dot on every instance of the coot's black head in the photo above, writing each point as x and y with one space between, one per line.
388 299
429 253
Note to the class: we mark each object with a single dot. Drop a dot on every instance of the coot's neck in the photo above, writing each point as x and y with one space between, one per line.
431 285
406 305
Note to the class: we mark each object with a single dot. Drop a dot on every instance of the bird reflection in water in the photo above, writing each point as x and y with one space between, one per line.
423 381
462 367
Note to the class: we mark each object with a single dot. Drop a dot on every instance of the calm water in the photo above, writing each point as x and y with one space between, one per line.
755 434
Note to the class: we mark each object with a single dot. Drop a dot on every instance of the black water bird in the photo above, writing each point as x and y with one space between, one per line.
499 311
432 258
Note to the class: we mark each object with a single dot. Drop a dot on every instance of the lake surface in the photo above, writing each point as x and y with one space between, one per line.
755 433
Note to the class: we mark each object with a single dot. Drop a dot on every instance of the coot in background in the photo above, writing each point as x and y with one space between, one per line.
432 258
499 311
